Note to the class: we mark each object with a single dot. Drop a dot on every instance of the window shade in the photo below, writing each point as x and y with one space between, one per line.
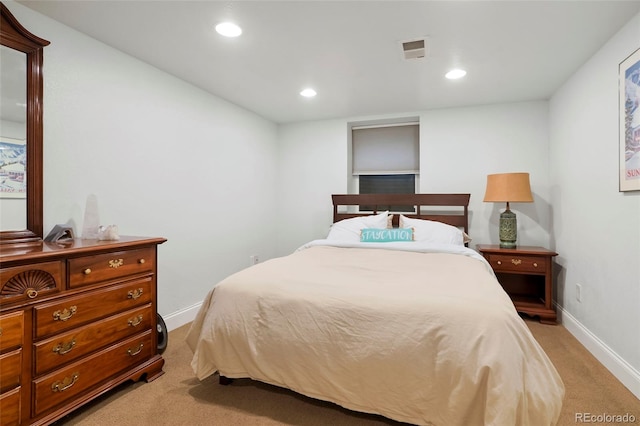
386 150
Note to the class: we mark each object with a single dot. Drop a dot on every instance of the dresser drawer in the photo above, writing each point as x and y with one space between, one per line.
10 369
518 263
69 346
78 378
92 269
29 282
71 312
11 330
10 408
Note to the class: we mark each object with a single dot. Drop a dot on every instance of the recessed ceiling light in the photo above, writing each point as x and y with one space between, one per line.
308 93
456 73
228 29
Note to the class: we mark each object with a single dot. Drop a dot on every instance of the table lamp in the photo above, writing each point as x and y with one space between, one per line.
506 188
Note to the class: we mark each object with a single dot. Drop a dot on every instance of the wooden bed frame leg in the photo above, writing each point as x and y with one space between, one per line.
224 381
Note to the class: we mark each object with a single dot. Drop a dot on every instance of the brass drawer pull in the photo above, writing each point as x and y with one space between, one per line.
87 271
135 351
60 386
141 261
499 262
135 321
64 348
65 314
32 293
116 263
516 261
134 294
535 264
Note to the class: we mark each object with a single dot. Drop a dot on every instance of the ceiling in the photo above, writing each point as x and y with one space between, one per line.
350 51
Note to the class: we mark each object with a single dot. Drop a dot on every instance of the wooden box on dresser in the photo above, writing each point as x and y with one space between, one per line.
75 321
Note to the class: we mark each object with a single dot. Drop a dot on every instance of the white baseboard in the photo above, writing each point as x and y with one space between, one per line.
181 317
621 369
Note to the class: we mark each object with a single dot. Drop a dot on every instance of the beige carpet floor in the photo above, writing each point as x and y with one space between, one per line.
177 398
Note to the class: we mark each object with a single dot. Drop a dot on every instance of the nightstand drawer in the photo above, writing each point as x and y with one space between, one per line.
516 263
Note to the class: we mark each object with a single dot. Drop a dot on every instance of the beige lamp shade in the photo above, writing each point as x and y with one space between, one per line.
508 187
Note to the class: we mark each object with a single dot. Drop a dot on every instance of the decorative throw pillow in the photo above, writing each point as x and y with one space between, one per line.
374 235
349 229
432 231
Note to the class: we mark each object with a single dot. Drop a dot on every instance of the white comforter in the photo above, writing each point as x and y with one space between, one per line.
416 333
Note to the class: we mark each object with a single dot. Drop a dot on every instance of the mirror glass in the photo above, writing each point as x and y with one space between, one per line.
13 138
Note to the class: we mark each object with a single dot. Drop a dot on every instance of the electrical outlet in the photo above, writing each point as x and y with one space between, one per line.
579 292
254 259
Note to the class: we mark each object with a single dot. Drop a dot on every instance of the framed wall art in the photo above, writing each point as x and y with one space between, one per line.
629 94
13 163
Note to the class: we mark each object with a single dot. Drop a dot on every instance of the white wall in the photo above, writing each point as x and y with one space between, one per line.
461 146
458 148
312 166
597 228
162 157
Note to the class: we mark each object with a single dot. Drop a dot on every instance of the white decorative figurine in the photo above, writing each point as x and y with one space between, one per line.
109 232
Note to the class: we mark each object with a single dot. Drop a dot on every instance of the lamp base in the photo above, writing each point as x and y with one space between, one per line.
508 229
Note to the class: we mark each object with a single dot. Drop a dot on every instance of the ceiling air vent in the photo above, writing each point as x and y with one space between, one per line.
414 49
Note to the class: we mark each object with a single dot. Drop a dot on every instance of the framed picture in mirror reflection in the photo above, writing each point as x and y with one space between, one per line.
13 163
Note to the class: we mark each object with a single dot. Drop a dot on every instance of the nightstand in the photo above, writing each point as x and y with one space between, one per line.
525 273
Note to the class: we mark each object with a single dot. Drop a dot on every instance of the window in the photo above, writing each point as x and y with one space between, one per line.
385 159
388 184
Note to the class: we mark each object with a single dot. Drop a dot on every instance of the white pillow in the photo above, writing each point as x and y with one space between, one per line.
432 231
349 229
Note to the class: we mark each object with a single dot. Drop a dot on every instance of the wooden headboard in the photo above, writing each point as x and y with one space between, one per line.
459 203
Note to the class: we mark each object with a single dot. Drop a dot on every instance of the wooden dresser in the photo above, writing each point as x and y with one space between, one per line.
75 321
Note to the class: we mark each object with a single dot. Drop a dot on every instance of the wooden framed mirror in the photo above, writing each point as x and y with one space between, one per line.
15 42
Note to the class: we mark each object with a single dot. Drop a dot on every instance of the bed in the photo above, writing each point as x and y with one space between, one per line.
410 324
